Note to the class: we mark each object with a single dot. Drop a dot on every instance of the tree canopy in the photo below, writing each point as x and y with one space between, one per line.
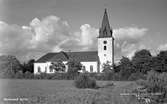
9 64
142 60
125 67
107 67
74 66
58 66
29 66
159 62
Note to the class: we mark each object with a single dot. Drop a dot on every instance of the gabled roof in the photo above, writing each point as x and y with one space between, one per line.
84 56
46 57
65 56
59 56
105 30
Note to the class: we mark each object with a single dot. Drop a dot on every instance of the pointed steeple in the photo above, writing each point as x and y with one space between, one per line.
105 30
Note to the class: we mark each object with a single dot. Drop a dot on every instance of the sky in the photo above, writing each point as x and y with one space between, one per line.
32 28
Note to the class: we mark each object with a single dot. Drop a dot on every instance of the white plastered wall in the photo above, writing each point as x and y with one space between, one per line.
105 55
45 67
88 64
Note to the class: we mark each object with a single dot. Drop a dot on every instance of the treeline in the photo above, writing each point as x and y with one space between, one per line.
127 69
141 63
11 67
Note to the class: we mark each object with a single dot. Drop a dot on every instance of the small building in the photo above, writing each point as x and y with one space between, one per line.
92 61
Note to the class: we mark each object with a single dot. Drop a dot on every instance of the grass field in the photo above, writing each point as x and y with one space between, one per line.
62 92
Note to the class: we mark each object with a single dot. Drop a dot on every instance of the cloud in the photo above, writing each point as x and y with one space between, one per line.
88 34
32 41
129 49
128 40
83 40
87 37
13 38
52 34
162 47
57 47
130 33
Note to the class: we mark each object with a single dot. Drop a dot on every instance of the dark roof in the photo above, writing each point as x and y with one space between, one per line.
84 56
46 57
105 30
65 56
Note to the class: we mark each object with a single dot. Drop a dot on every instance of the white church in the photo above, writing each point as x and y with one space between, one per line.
92 61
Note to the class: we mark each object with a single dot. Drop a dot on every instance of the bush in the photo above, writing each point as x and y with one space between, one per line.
156 82
136 76
41 76
72 76
28 75
107 75
85 81
9 74
59 76
141 82
19 75
106 84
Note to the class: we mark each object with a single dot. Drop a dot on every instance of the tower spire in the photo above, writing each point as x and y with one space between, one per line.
105 30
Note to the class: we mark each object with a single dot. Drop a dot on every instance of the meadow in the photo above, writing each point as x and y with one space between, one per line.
15 91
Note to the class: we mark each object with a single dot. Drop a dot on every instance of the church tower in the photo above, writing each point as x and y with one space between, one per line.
105 42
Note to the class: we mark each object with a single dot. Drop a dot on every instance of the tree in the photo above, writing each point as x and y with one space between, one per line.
107 67
29 66
108 71
142 61
58 66
126 68
74 66
159 62
9 65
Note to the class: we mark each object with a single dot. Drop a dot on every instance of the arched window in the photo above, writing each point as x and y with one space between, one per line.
39 69
51 69
91 68
105 47
83 69
45 69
